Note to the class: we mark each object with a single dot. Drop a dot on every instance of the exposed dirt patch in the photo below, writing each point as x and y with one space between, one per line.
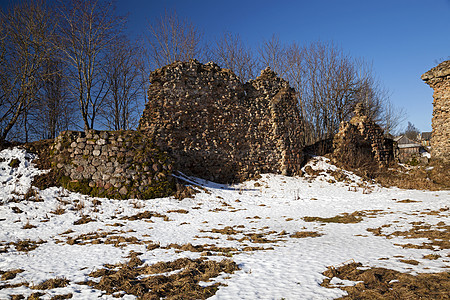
380 283
177 279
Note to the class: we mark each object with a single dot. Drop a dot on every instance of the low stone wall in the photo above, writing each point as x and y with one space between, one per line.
117 164
219 129
361 142
438 79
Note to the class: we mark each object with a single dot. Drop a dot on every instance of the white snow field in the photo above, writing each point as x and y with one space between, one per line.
272 206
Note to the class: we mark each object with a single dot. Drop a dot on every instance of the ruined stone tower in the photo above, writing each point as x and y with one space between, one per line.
438 78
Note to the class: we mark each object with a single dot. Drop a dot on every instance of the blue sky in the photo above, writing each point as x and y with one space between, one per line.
401 38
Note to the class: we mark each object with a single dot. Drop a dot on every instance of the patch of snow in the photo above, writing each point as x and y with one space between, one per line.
270 205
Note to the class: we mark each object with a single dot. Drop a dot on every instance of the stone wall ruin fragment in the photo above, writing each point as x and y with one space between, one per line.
217 128
438 78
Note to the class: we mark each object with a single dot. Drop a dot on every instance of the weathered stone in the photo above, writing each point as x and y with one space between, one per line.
96 152
438 79
361 141
213 125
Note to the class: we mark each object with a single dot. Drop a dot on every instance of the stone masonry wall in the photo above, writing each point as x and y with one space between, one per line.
119 164
438 79
219 129
361 142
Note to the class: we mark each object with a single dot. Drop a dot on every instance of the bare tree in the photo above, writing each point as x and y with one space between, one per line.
392 117
25 32
125 84
172 39
230 52
412 132
274 54
86 29
54 110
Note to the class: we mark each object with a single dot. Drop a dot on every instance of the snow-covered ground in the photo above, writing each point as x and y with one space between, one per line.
272 206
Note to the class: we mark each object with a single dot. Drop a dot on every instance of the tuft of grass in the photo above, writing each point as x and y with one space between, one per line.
27 245
28 226
83 220
8 275
59 210
14 163
410 261
432 256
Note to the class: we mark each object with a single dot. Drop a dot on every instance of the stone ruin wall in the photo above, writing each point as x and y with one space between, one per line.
362 141
438 79
116 164
217 128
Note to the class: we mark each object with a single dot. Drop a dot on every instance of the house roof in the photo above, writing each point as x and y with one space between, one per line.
404 142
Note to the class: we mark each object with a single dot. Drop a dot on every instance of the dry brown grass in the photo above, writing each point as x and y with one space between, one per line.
144 215
61 297
184 284
11 274
345 218
410 261
380 283
51 284
83 220
178 211
438 235
305 234
417 177
26 245
28 226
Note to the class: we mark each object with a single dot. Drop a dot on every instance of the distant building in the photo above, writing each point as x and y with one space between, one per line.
407 148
